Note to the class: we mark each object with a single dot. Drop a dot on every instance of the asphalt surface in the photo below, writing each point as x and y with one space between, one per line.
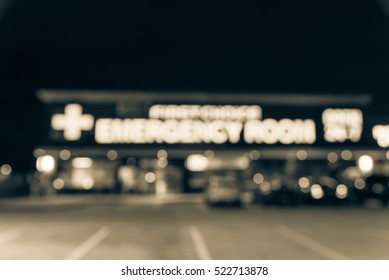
187 229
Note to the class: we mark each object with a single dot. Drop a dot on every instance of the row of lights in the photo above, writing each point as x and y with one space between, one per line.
315 190
162 162
46 163
300 155
345 155
66 154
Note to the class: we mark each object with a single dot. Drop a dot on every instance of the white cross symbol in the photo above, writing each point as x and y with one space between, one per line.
72 122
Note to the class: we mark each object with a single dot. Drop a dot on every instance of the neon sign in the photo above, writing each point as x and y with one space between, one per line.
190 124
381 135
72 122
285 131
166 131
342 124
206 112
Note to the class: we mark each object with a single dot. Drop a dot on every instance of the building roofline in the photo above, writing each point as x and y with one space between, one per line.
284 99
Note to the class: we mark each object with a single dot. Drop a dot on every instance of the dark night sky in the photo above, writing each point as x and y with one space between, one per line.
251 46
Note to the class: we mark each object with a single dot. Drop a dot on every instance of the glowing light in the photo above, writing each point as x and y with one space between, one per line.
317 191
254 155
346 155
377 188
276 184
162 163
205 112
197 162
258 178
64 154
162 154
301 155
304 182
150 177
342 124
387 154
285 131
244 163
112 155
166 131
45 164
87 183
360 184
341 191
366 163
58 183
82 162
72 122
381 135
205 124
5 169
332 157
265 188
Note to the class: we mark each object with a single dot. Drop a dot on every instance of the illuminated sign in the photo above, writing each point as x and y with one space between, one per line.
206 112
381 135
72 122
166 131
342 124
190 124
216 124
285 131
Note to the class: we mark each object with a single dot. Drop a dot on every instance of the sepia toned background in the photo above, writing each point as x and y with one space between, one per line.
194 129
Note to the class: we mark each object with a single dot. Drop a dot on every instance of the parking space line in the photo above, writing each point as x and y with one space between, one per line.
199 243
89 244
9 235
310 243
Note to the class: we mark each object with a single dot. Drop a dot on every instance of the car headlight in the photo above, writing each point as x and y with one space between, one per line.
317 191
266 188
45 164
366 163
341 191
360 184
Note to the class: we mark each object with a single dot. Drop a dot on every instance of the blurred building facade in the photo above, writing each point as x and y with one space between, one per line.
173 142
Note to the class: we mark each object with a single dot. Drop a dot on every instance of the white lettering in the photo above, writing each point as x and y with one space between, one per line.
103 131
381 134
206 112
285 131
234 130
342 124
168 131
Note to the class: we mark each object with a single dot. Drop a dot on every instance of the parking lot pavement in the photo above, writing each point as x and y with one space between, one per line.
194 231
65 201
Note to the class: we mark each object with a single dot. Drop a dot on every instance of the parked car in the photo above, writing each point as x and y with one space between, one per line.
375 186
274 189
223 190
307 182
